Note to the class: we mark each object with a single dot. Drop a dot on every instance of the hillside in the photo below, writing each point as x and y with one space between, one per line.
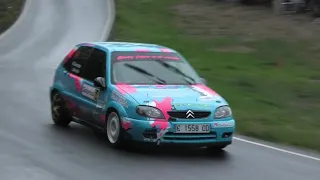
265 65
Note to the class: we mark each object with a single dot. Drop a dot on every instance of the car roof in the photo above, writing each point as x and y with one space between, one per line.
129 46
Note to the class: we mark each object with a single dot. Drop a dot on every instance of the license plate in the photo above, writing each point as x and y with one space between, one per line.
192 128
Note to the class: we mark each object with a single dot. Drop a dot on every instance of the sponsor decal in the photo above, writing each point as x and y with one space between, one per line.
205 95
147 57
222 124
202 92
75 64
119 98
90 92
96 94
177 105
75 67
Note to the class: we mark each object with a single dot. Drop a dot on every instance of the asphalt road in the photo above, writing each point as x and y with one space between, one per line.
32 148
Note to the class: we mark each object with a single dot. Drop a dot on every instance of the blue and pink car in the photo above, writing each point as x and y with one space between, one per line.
139 92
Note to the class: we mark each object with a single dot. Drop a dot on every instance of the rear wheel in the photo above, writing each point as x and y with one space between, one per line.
59 113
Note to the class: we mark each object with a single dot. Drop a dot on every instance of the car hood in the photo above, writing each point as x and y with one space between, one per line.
180 97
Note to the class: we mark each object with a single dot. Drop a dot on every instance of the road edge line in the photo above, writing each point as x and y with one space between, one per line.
109 23
277 149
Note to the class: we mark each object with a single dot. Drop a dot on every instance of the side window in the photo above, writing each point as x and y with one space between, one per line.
77 62
96 65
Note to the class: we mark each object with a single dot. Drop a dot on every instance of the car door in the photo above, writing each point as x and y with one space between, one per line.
73 70
93 97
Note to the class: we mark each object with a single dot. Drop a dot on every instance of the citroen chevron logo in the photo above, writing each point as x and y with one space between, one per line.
189 114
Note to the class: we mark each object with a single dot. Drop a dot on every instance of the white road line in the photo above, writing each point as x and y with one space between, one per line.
111 18
277 149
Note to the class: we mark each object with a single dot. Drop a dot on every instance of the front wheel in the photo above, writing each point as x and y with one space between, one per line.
113 130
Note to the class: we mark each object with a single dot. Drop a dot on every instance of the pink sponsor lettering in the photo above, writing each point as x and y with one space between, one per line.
142 57
171 57
147 57
125 57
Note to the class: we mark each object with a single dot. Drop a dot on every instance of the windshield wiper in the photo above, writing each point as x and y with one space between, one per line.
142 71
176 70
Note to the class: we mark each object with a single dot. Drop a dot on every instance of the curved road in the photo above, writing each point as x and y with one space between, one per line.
32 148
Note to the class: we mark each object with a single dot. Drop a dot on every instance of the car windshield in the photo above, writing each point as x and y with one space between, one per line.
152 68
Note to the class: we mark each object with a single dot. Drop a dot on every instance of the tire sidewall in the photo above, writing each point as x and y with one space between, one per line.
64 119
118 143
57 119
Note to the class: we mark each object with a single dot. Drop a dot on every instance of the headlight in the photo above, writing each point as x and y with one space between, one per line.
150 112
222 112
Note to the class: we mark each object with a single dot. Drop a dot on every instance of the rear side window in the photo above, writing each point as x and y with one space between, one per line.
96 65
76 63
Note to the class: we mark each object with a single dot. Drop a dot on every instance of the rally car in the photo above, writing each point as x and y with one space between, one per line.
135 92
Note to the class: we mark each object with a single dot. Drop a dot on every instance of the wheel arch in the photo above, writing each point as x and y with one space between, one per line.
118 108
110 110
53 90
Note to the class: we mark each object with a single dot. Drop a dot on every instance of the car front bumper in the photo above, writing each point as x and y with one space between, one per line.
160 132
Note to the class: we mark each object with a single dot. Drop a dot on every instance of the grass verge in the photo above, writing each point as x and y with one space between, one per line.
265 66
9 12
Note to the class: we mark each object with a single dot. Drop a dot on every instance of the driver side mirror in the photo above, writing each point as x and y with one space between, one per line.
99 82
204 81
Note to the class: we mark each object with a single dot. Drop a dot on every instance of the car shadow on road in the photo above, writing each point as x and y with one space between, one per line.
177 152
81 135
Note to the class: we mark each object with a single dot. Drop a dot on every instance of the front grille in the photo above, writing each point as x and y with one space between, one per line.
186 136
184 114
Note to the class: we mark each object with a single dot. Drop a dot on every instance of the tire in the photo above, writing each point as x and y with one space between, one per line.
59 113
315 8
113 131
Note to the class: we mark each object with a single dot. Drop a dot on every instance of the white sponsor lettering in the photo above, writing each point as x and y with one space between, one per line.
222 124
119 98
76 65
204 92
74 70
